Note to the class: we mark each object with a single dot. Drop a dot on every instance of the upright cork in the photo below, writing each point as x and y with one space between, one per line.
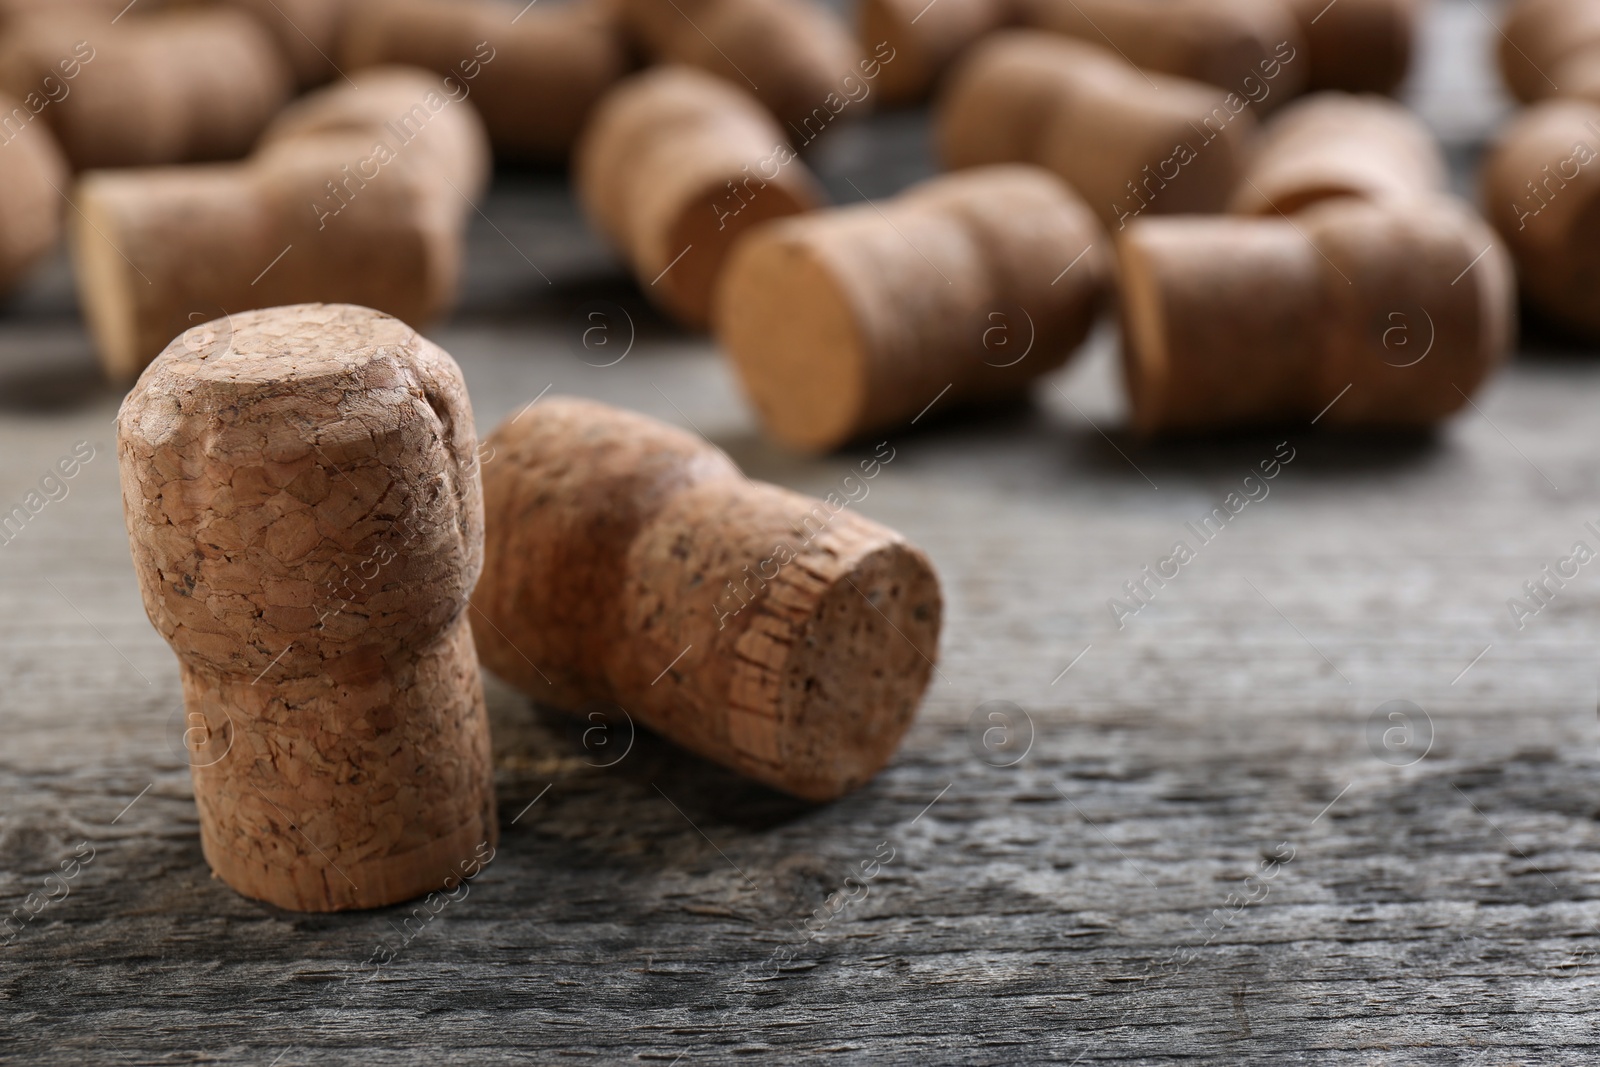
533 72
794 55
1354 313
1550 48
33 177
1251 47
355 195
926 38
677 164
1334 144
303 505
1360 46
1129 141
168 87
965 288
1541 189
787 638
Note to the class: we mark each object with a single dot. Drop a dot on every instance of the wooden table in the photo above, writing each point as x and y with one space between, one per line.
1214 840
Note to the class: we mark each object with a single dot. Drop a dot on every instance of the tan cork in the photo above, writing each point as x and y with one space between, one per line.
355 195
168 87
307 33
33 177
1541 190
796 56
675 166
925 38
1548 47
1129 141
303 506
1335 144
1250 47
785 637
1360 46
1371 314
534 73
964 288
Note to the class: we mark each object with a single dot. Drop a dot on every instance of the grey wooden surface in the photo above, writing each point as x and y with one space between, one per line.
1434 895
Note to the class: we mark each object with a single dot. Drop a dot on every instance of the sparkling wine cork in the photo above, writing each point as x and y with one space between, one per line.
794 55
534 73
356 195
307 33
1334 144
926 38
965 288
1541 188
302 500
169 87
1251 47
1354 313
677 164
1129 141
33 175
1546 47
785 637
1361 46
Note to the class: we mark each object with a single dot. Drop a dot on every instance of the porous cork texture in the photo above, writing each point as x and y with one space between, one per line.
785 637
1541 189
678 163
1129 141
964 288
306 523
357 195
1338 144
1353 313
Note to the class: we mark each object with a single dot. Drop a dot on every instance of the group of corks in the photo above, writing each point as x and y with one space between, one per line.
308 506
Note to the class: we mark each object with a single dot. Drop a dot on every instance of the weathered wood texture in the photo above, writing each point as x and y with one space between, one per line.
1073 907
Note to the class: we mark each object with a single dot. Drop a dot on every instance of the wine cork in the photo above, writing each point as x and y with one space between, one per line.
1334 144
534 73
1251 47
965 288
169 87
785 637
794 55
1546 46
1129 141
33 175
1541 188
1354 313
303 506
677 164
331 207
1360 46
926 38
307 33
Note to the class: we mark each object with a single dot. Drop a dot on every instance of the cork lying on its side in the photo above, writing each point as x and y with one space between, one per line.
966 287
794 55
1541 189
785 637
33 177
534 73
1251 47
677 164
357 195
1360 46
1129 141
169 87
925 38
1354 313
1334 144
1551 48
302 499
307 33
